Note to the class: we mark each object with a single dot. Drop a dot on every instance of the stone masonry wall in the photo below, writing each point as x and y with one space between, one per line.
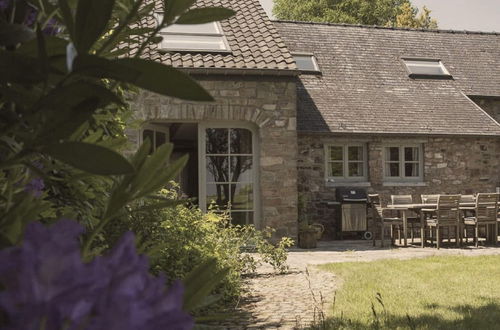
268 103
451 165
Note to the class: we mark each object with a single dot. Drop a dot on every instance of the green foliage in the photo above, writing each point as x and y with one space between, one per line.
181 237
408 18
368 12
62 105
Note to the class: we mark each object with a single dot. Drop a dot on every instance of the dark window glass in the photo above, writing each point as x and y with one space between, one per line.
336 169
218 194
240 141
392 154
336 153
217 169
241 169
217 140
242 218
356 169
242 196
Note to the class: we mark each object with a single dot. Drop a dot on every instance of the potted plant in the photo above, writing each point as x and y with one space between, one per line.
308 236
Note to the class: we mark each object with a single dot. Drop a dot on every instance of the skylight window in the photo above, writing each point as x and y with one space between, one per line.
207 37
306 62
426 68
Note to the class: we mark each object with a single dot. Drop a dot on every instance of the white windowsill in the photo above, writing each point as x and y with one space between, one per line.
404 184
348 184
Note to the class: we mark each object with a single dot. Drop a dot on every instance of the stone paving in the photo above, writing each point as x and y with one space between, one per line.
295 299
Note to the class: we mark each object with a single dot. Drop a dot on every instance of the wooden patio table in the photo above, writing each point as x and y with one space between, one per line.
405 208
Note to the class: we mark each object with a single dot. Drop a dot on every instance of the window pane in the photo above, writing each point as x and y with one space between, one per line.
218 194
193 42
242 218
217 139
392 154
411 154
355 153
240 141
336 153
411 170
161 138
217 169
241 169
193 28
242 196
392 169
305 62
356 169
336 169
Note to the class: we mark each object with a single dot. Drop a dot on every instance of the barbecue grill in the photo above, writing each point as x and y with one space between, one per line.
353 203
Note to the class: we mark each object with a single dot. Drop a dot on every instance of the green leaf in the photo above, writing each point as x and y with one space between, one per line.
174 8
145 74
205 15
200 282
54 47
92 17
16 68
67 17
90 158
42 52
13 34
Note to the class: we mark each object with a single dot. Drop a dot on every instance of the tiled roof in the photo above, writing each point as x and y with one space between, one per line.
365 88
253 40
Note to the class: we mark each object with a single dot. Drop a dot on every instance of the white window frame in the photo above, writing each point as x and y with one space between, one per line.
155 128
402 162
202 174
313 59
219 33
345 177
435 62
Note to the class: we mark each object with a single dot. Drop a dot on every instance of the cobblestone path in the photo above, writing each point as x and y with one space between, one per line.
295 299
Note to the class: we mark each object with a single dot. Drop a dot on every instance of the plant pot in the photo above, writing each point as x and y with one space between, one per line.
319 230
308 239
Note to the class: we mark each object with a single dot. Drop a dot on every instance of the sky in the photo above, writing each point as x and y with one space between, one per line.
473 15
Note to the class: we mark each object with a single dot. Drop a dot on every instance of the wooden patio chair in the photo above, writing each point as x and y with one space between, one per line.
429 199
447 214
486 212
379 216
413 219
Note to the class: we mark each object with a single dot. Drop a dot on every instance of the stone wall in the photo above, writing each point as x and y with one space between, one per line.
267 102
451 165
489 104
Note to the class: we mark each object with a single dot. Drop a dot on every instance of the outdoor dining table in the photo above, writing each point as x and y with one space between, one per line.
405 208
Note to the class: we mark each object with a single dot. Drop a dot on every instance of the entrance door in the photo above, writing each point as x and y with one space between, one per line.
228 175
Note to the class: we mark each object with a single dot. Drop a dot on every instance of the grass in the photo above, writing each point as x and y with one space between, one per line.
431 293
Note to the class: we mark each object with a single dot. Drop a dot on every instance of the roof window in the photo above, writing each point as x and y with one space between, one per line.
306 62
207 37
426 68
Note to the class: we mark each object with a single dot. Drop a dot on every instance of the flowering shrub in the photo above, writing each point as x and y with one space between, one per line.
179 238
48 286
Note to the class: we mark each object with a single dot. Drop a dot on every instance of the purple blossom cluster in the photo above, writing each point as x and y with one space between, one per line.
48 286
35 187
51 28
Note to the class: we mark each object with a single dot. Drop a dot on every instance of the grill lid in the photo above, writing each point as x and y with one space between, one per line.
350 194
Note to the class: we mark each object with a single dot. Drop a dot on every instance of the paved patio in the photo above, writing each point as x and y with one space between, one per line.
295 299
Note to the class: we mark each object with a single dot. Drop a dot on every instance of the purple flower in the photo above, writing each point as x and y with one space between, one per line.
35 187
45 280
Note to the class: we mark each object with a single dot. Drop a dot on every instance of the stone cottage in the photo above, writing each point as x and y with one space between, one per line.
303 108
396 111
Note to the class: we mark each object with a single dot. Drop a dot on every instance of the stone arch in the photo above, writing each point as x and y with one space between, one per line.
150 107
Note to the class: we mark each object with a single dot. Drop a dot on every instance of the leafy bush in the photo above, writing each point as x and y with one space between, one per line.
181 237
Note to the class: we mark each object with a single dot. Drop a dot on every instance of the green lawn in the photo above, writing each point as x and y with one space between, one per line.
431 293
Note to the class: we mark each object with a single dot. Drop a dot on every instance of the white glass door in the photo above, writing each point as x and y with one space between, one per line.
227 171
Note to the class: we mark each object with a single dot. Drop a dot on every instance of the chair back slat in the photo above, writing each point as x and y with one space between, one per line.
487 207
374 201
401 199
467 199
448 211
429 199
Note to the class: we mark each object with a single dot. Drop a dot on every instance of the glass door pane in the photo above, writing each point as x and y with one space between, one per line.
229 173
